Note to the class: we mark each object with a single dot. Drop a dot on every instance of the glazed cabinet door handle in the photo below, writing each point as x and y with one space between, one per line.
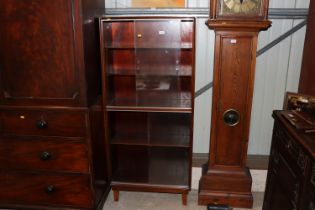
41 124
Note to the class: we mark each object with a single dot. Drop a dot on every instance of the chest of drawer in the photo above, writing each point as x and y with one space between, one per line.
312 177
68 123
39 189
42 154
289 181
291 151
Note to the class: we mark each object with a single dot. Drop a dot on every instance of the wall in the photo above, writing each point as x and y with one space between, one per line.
277 71
127 3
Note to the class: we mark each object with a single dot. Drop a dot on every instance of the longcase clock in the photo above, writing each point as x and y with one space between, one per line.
225 178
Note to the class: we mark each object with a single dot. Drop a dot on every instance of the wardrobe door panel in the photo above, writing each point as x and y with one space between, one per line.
39 58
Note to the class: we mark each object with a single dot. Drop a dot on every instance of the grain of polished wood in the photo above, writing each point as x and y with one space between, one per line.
225 177
52 156
42 154
37 189
148 80
306 84
48 122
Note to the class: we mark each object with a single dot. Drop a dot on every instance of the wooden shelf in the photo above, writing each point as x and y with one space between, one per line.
155 141
148 187
184 46
170 141
148 109
140 139
122 71
119 46
178 106
163 70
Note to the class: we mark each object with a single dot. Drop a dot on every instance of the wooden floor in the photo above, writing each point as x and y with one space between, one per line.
162 201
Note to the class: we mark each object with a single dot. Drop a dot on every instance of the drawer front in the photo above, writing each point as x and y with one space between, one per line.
312 177
310 201
67 123
35 189
291 151
43 155
288 181
309 196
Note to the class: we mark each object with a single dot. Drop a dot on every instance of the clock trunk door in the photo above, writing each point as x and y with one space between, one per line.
232 93
38 63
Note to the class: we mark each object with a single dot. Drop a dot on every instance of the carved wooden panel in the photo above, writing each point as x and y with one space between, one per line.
291 175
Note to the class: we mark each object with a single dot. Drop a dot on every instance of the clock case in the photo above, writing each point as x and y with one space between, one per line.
225 178
215 12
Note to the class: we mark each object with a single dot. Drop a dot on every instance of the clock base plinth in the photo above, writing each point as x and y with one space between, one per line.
229 187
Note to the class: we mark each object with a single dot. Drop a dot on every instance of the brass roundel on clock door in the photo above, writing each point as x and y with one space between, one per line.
231 117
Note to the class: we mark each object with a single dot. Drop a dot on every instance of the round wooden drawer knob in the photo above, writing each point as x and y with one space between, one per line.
45 156
50 189
42 124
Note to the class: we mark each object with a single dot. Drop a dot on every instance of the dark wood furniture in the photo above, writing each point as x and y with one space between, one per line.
148 83
307 85
52 152
291 173
225 178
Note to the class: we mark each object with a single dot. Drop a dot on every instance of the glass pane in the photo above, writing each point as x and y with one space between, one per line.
124 130
170 129
159 69
149 63
158 33
120 61
119 34
130 163
169 166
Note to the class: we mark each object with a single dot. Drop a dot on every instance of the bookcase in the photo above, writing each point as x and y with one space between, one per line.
148 94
